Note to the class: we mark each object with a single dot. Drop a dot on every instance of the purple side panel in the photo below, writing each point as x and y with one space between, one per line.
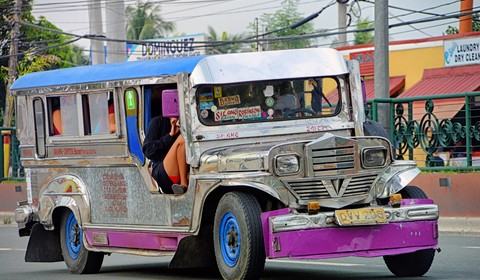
137 240
363 241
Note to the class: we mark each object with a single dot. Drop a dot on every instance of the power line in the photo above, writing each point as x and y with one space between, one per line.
285 38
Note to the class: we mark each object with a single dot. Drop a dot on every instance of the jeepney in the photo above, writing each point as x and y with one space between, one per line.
265 181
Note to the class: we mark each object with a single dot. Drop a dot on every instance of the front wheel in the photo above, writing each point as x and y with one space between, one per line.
415 263
238 238
77 258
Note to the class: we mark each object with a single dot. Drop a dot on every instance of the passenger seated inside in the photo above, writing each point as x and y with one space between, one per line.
165 147
57 121
286 100
111 116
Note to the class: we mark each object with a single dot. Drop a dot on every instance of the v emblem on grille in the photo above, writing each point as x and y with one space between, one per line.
336 187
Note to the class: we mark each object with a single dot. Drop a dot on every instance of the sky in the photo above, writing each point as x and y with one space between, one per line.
234 16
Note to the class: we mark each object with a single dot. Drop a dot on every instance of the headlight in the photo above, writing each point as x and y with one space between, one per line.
374 157
286 165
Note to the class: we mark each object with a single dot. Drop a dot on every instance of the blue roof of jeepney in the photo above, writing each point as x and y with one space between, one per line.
107 72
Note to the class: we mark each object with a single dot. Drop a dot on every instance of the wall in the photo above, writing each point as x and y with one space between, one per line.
9 195
460 199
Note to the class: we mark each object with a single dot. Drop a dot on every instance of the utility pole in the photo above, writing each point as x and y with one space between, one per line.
342 23
381 66
12 62
465 25
115 13
96 28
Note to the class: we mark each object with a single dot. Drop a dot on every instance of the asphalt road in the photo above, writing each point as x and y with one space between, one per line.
459 259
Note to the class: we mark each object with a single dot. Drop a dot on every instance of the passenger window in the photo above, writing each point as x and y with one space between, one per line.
63 115
39 126
99 113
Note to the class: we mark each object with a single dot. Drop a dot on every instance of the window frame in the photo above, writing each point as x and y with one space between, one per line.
82 97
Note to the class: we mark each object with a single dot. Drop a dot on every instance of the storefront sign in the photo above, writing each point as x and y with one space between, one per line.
166 47
462 51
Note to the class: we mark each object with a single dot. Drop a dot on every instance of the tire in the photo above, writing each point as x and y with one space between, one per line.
373 128
416 263
238 237
412 192
77 258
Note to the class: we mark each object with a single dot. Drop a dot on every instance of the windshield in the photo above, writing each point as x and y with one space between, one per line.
263 101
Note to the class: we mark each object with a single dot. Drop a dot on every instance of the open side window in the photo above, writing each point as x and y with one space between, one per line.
81 115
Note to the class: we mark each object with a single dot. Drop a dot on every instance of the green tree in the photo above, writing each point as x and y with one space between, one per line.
216 42
279 23
144 22
39 48
475 25
365 37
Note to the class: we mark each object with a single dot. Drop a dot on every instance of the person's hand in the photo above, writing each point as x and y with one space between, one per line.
175 128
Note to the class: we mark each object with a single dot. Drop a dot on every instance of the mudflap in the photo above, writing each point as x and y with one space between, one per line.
195 251
43 245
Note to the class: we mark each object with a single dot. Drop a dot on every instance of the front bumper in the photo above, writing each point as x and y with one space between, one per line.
24 214
410 228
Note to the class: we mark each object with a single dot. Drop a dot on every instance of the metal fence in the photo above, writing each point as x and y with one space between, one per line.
440 132
10 166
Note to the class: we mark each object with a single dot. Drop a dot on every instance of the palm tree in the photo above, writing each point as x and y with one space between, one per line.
145 22
216 42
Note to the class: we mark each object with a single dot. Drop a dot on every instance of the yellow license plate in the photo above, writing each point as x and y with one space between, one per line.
363 216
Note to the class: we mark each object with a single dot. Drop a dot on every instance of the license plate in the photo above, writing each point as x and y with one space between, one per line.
363 216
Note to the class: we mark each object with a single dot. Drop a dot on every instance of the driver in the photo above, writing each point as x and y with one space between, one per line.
286 101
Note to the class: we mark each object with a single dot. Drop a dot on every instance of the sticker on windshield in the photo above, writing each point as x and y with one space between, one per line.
206 105
226 115
229 100
205 97
269 101
254 112
218 91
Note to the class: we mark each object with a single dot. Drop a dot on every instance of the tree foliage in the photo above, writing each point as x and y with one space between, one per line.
213 37
475 25
364 37
145 22
280 22
39 49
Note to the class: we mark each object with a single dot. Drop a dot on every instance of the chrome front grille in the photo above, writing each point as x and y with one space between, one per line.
316 188
330 161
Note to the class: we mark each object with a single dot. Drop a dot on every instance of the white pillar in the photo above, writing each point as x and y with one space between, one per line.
96 28
115 26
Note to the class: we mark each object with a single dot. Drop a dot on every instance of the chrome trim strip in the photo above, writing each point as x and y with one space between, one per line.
297 221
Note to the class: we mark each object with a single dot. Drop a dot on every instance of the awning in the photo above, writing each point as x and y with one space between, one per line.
397 83
446 80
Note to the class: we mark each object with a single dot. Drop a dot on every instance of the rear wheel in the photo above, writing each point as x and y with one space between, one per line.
238 238
77 258
415 263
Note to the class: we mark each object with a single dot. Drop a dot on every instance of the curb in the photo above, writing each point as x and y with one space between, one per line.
459 224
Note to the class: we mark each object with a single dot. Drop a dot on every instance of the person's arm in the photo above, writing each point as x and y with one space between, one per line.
158 140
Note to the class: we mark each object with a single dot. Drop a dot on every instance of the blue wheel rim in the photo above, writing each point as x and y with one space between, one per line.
73 237
230 239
